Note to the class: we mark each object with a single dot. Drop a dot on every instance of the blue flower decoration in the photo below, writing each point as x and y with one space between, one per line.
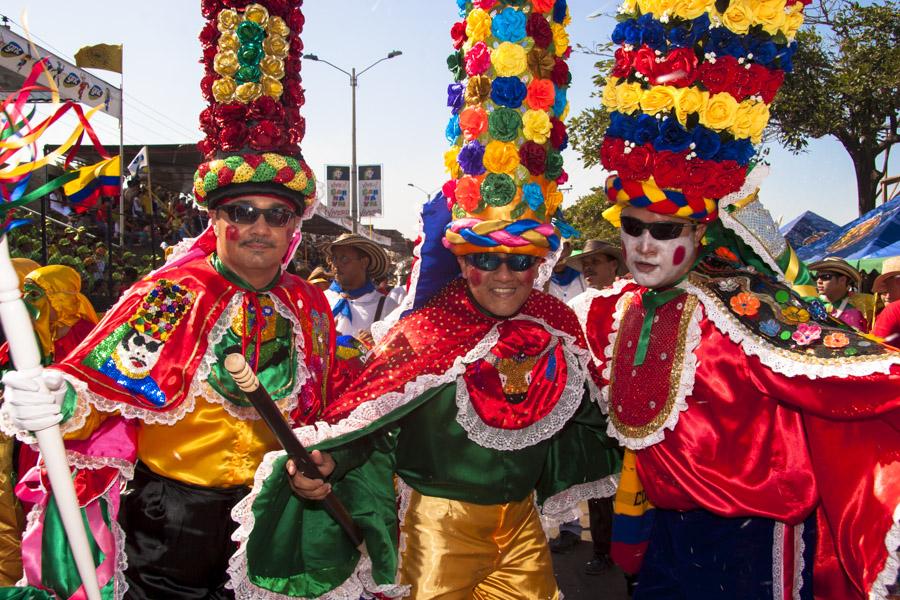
672 136
560 101
646 128
653 34
471 158
509 25
453 130
770 327
818 311
508 91
533 195
559 11
706 142
764 52
740 151
461 4
455 96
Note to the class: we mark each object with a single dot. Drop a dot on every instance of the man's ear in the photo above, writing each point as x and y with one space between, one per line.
462 266
699 232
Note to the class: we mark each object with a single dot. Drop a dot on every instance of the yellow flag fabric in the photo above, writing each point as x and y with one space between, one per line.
100 56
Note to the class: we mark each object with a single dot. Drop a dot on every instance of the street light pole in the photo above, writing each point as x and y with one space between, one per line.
354 175
423 190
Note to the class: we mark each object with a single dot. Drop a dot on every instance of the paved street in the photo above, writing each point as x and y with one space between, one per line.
575 585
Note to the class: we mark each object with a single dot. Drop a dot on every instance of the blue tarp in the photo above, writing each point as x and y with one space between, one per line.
806 229
876 234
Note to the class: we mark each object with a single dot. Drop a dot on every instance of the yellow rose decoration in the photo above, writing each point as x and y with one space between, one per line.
227 20
450 162
478 25
737 17
223 89
276 45
720 112
271 87
689 100
257 13
691 9
229 41
608 99
628 97
501 157
536 126
759 118
271 66
648 6
665 7
793 20
560 38
277 26
743 121
226 63
659 98
769 14
509 60
248 92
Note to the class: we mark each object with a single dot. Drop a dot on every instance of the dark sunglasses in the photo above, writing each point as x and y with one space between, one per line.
246 214
825 276
488 261
661 230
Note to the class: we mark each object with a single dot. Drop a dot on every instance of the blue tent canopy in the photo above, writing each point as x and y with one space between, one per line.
806 229
876 234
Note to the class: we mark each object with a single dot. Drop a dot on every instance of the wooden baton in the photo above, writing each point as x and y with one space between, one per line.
259 397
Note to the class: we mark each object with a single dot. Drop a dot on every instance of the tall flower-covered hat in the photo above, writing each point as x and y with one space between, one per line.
252 124
689 99
507 106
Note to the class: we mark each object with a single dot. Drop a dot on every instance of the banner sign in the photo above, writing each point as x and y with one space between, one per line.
337 195
73 83
370 195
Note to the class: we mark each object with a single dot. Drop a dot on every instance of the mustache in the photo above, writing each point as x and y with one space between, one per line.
258 240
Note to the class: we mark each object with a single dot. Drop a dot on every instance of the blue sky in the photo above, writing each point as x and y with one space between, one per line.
401 112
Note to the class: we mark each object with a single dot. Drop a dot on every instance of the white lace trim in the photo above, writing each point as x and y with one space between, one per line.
77 460
496 438
778 530
888 575
120 585
545 269
784 361
103 404
751 184
581 305
563 507
799 561
692 339
360 583
404 493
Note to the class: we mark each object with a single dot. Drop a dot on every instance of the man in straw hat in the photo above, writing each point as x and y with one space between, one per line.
734 398
476 398
145 396
355 303
566 281
887 323
600 263
835 280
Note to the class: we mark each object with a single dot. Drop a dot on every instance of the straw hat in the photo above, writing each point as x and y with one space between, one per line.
319 275
378 258
595 247
890 268
833 264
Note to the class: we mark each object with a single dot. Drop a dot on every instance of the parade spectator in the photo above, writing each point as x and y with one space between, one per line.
566 281
887 324
834 280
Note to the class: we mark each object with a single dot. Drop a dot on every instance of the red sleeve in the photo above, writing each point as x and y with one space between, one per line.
887 323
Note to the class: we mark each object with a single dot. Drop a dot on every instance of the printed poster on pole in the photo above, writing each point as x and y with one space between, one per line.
370 191
337 194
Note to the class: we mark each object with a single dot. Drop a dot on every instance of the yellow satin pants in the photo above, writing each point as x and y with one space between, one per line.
11 520
458 550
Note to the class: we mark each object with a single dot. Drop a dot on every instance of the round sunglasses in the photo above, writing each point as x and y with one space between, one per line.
659 230
489 261
247 214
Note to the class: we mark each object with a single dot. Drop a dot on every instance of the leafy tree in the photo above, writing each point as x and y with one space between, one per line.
586 216
846 84
586 129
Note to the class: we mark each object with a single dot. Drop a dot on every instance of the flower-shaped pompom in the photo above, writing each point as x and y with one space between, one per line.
560 39
478 25
536 126
226 63
257 13
478 59
276 46
471 158
539 29
223 89
533 196
474 122
509 60
501 157
227 20
451 162
498 189
533 157
468 193
504 124
509 25
478 89
508 91
542 6
455 97
541 94
541 63
458 34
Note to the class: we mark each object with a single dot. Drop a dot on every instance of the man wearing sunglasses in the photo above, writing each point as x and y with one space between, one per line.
704 347
835 279
145 395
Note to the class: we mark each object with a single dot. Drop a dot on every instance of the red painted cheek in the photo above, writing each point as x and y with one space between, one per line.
679 255
475 277
231 233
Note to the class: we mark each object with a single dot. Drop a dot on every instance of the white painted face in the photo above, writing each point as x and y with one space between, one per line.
658 263
137 354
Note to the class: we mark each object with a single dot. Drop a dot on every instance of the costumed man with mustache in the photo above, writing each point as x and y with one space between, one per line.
144 399
477 400
763 455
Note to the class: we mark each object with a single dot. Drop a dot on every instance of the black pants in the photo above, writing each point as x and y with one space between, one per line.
601 513
177 538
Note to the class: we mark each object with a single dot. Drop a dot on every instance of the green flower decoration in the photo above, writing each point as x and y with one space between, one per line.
504 124
498 189
554 164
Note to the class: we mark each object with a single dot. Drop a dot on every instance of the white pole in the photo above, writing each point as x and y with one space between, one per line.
121 159
27 360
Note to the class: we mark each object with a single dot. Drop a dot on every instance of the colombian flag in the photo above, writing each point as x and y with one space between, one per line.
93 181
